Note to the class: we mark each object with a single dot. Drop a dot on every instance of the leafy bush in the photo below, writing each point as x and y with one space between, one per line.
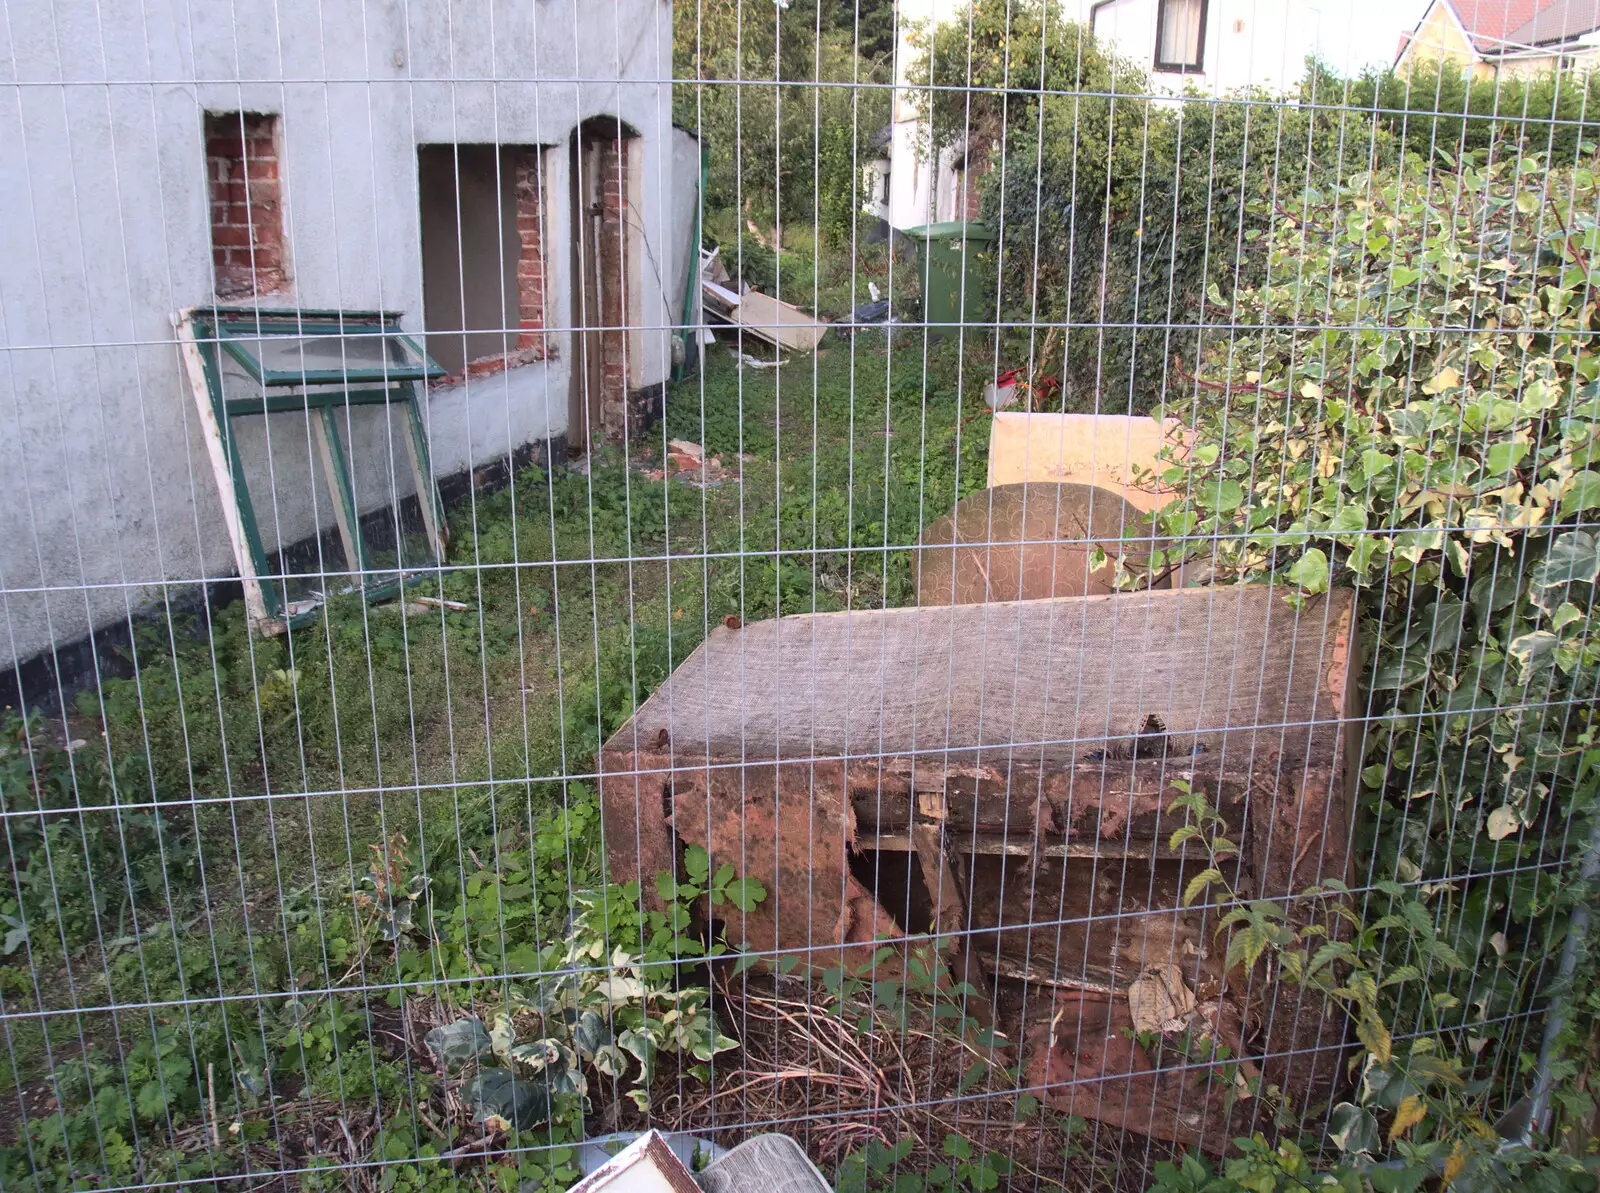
784 149
1427 110
1117 210
1408 401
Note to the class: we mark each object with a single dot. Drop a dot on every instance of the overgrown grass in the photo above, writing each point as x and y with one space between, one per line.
247 794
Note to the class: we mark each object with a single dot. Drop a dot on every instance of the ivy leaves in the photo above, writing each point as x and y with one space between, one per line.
1401 405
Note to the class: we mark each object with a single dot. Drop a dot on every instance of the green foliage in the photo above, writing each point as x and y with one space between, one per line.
1259 1168
610 997
881 1168
785 151
1116 210
1416 417
1443 114
1435 472
73 876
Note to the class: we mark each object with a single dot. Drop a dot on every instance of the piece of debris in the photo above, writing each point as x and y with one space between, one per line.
441 603
764 1162
1110 451
719 295
711 266
1024 542
1066 886
647 1165
1160 1002
690 464
872 290
778 322
695 1153
683 456
1002 391
755 362
684 447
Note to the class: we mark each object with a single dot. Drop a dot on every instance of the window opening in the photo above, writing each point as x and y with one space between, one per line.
1181 35
482 256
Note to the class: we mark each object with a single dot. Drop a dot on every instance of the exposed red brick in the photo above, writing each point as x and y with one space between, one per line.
246 208
231 235
529 187
613 270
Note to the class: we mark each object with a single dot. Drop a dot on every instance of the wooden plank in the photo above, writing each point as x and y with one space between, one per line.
949 913
948 907
1084 449
993 844
719 294
778 322
421 467
255 602
338 484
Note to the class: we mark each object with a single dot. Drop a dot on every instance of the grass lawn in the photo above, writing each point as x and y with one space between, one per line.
277 784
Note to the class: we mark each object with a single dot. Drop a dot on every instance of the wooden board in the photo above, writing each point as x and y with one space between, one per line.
1231 669
1086 449
778 322
255 602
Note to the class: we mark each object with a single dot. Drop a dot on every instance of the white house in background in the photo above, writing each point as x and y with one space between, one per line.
1488 39
903 186
1217 46
438 158
1213 46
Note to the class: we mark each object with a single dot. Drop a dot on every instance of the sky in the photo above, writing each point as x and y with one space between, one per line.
1359 33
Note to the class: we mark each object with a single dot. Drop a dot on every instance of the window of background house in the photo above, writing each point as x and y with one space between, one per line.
1180 35
247 253
482 258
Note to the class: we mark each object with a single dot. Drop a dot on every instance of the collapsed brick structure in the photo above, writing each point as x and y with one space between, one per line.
985 773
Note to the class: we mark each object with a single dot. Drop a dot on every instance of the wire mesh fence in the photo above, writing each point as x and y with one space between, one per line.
1002 590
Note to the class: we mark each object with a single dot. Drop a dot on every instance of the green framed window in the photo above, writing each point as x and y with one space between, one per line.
340 392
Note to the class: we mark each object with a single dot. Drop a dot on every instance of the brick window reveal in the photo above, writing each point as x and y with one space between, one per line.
606 252
530 252
614 282
247 254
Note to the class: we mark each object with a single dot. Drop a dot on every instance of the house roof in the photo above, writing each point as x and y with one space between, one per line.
1489 24
1561 21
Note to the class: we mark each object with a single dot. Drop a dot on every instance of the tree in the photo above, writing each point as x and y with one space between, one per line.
760 84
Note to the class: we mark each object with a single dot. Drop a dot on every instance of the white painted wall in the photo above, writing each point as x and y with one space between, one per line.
1248 43
106 495
682 252
1261 43
913 177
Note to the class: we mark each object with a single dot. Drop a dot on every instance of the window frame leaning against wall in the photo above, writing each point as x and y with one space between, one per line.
212 336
